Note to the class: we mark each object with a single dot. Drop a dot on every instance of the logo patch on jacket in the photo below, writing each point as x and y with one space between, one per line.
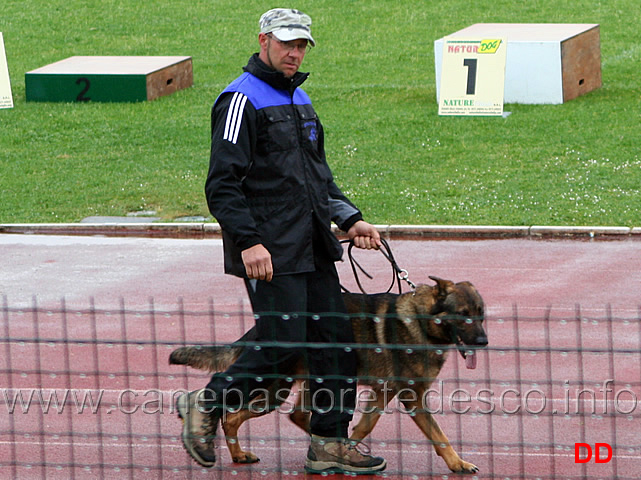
312 130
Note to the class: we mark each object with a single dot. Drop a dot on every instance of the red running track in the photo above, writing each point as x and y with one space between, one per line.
90 315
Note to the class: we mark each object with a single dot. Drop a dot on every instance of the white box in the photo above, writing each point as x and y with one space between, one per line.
547 63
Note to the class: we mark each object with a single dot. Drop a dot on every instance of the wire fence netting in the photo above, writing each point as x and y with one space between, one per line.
89 393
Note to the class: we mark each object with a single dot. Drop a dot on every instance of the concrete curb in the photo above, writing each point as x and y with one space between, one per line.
212 230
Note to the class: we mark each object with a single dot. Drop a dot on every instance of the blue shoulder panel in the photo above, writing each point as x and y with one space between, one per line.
262 95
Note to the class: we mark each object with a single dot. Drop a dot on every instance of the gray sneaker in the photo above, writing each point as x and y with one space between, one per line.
199 427
340 455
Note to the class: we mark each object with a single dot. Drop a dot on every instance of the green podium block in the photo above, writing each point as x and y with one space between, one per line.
109 79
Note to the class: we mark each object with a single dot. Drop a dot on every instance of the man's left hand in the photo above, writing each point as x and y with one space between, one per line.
364 235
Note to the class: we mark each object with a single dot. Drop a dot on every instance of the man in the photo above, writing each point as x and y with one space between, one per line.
271 190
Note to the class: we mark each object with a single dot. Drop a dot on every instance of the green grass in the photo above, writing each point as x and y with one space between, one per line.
373 86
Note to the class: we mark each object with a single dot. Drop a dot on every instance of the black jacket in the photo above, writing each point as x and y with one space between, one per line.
268 179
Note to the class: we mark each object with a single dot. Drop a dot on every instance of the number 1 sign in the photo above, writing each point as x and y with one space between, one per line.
472 77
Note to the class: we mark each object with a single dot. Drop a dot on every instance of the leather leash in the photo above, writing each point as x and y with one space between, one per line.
398 274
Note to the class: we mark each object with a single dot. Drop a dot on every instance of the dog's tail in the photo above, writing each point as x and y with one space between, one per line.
210 358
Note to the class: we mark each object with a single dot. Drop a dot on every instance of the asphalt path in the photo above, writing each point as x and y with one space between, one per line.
531 275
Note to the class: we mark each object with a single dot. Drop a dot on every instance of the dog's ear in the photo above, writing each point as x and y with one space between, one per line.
442 287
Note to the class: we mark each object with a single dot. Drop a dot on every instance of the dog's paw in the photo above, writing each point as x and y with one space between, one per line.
246 457
466 467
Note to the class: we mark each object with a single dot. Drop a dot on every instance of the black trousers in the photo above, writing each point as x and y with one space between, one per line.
291 311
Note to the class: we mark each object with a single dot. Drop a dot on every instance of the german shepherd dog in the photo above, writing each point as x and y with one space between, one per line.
405 342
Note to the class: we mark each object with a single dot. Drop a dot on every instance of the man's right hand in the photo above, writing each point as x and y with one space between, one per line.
258 263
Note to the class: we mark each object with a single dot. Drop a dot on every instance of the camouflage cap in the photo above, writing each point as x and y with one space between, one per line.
287 24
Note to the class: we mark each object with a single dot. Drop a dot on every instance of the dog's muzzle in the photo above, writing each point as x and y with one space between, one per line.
469 354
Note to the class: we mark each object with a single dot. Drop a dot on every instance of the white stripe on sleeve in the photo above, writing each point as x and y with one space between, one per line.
234 117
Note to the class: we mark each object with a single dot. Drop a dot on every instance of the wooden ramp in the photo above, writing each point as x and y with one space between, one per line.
109 79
